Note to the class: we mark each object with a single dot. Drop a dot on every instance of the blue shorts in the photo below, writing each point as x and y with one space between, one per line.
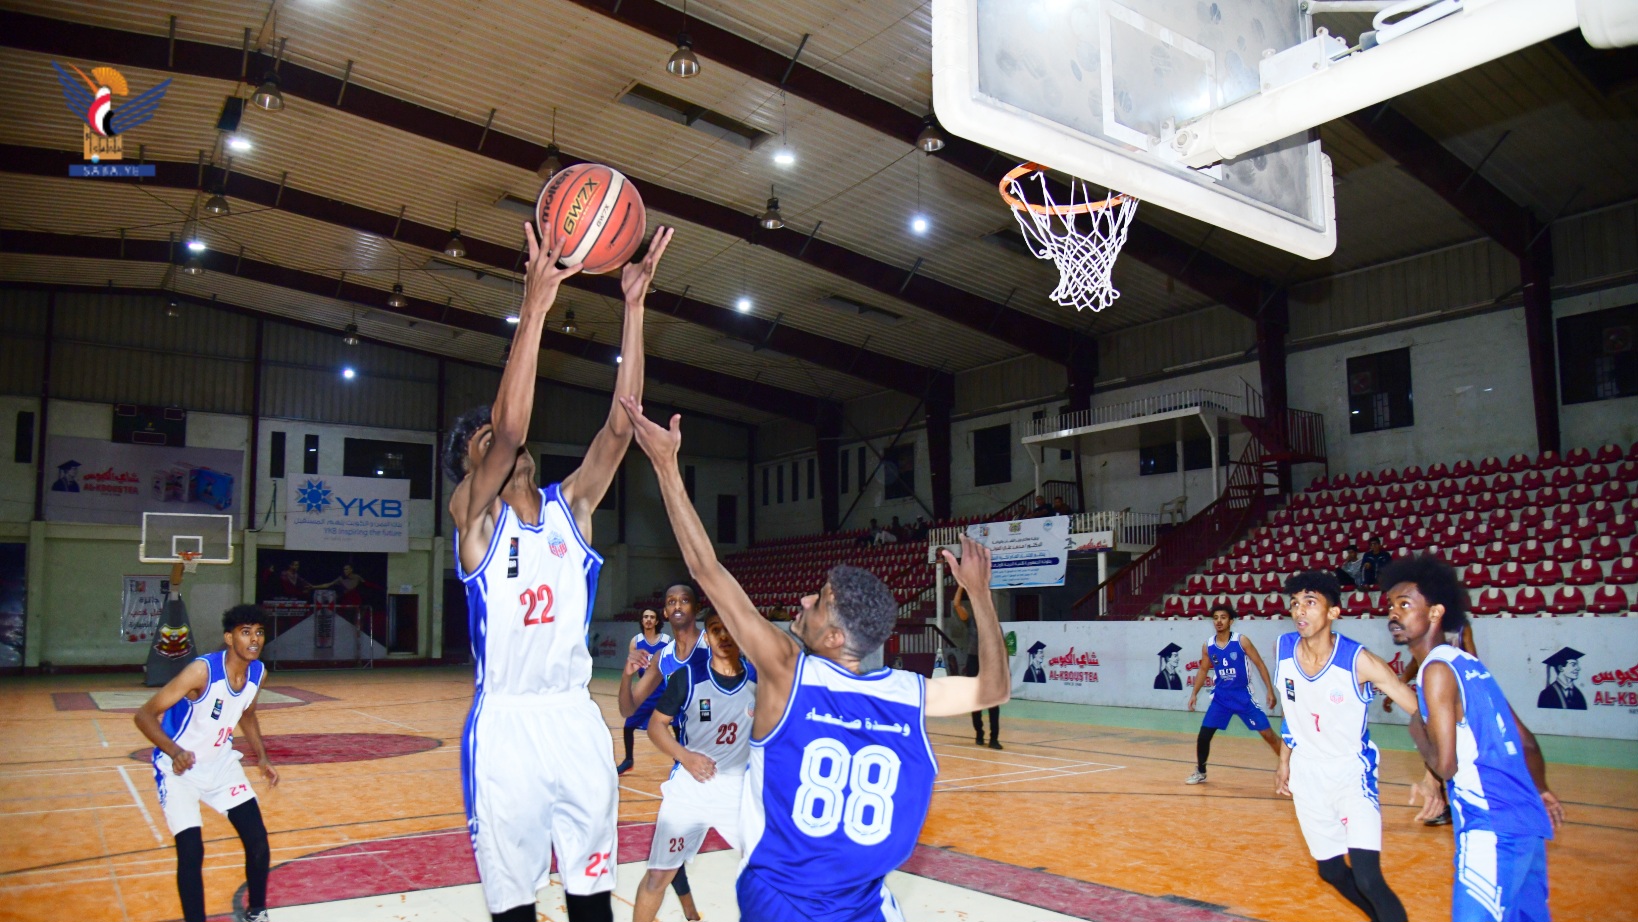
1226 705
1499 878
639 718
759 900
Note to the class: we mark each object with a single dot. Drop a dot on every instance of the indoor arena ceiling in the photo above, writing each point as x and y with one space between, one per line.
395 113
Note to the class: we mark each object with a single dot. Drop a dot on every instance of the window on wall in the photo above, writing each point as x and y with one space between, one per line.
309 454
899 472
275 456
1379 392
22 446
841 467
765 476
1597 356
688 480
779 484
992 455
796 491
1157 459
1197 454
390 460
864 472
727 518
812 463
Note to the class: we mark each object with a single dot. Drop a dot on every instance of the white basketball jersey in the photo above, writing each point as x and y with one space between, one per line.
205 725
714 721
530 602
1325 714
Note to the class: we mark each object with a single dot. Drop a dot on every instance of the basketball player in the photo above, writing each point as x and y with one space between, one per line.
537 766
841 770
1328 764
650 642
1463 641
710 710
190 721
682 605
1228 653
1495 775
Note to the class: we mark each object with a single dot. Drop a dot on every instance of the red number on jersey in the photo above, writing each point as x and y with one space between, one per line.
727 733
598 865
1316 723
224 735
677 845
540 596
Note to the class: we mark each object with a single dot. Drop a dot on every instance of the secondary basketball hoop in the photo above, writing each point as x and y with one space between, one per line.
1084 252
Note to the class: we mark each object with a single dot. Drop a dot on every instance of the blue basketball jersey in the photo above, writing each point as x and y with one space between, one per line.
699 657
1492 788
1228 664
837 792
652 649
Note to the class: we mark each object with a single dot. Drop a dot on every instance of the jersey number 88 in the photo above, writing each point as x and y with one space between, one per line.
866 811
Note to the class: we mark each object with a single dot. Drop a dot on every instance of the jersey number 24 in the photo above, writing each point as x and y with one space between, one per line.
865 813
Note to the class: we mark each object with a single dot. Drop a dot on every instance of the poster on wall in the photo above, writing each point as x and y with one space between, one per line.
13 603
1026 553
142 603
324 513
91 480
332 599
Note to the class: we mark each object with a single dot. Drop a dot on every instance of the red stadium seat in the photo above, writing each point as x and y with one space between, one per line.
1548 460
1564 550
1609 600
1483 533
1198 606
1195 585
1621 526
1173 607
1489 602
1601 510
1563 477
1624 572
1516 464
1499 519
1604 547
1568 600
1301 501
1467 521
1420 540
1608 454
1413 474
1275 605
1515 499
1564 513
1394 493
1365 479
1595 474
1370 494
1419 491
1548 497
1456 502
1627 471
1358 604
1528 551
1581 494
1583 529
1515 533
1532 517
1585 572
1321 482
1341 482
1483 502
1532 480
1528 601
1439 471
1578 457
1509 574
1614 491
1462 555
1389 476
1546 573
1488 467
1495 554
1476 576
1501 483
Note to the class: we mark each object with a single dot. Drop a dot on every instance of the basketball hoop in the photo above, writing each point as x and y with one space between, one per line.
190 561
1085 256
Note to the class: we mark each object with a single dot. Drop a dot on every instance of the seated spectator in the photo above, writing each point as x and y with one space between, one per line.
1041 510
918 531
869 537
885 535
1374 561
1350 571
899 531
1059 507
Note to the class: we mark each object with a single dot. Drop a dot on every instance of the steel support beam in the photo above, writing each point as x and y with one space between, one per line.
874 367
827 431
134 49
1272 327
763 397
1536 270
938 458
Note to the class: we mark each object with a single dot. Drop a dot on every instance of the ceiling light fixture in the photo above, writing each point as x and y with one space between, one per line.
918 221
784 156
267 95
568 322
512 319
239 144
931 140
194 266
549 167
172 309
683 63
455 248
744 304
350 335
396 300
217 204
348 373
772 219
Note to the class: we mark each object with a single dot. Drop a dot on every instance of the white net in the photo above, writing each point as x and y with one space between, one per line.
1082 241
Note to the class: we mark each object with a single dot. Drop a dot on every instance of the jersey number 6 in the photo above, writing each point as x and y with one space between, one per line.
539 596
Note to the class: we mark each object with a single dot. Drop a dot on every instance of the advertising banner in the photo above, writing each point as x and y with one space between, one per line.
113 483
1026 553
1563 676
141 604
1090 541
346 514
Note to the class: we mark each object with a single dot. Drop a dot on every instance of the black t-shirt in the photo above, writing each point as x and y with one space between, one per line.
677 687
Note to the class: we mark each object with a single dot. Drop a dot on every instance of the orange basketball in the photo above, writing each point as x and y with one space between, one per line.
596 211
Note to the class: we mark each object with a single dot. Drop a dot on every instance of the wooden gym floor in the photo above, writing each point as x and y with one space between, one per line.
1083 816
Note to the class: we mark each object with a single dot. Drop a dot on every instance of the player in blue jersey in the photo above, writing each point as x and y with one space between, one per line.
190 722
688 644
649 642
1328 765
537 763
841 770
1227 653
1469 735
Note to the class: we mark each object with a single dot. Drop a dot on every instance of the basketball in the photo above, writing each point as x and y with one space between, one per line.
597 214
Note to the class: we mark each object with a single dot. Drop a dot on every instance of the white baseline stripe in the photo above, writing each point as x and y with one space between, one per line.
141 806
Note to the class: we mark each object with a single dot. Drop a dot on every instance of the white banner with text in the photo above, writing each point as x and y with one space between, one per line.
324 513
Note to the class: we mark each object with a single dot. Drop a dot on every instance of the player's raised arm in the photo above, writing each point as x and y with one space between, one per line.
772 651
585 488
515 401
993 686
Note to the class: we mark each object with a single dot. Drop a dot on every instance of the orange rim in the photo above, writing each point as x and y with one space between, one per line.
1024 169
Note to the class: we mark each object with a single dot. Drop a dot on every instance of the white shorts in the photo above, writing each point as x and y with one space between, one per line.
538 776
689 809
219 782
1336 803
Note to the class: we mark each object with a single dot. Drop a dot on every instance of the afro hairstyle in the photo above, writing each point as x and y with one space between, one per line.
241 615
1323 582
1436 581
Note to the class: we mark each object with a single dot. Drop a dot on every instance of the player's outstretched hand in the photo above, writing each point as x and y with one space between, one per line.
1433 796
544 275
181 762
1282 779
1555 810
700 766
972 571
661 445
637 276
634 662
270 773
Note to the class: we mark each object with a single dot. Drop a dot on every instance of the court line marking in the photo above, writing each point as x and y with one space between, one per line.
98 725
167 873
385 721
1056 773
137 798
1067 774
67 810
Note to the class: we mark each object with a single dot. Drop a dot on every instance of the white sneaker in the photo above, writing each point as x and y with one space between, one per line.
1196 778
248 916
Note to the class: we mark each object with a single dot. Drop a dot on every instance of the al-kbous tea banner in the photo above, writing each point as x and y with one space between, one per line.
113 483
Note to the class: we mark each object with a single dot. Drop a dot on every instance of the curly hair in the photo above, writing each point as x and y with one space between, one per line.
1323 582
1436 581
454 452
1226 609
240 615
865 608
693 590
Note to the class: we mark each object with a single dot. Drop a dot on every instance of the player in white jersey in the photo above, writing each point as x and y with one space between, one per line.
537 763
710 709
842 770
1328 764
190 722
